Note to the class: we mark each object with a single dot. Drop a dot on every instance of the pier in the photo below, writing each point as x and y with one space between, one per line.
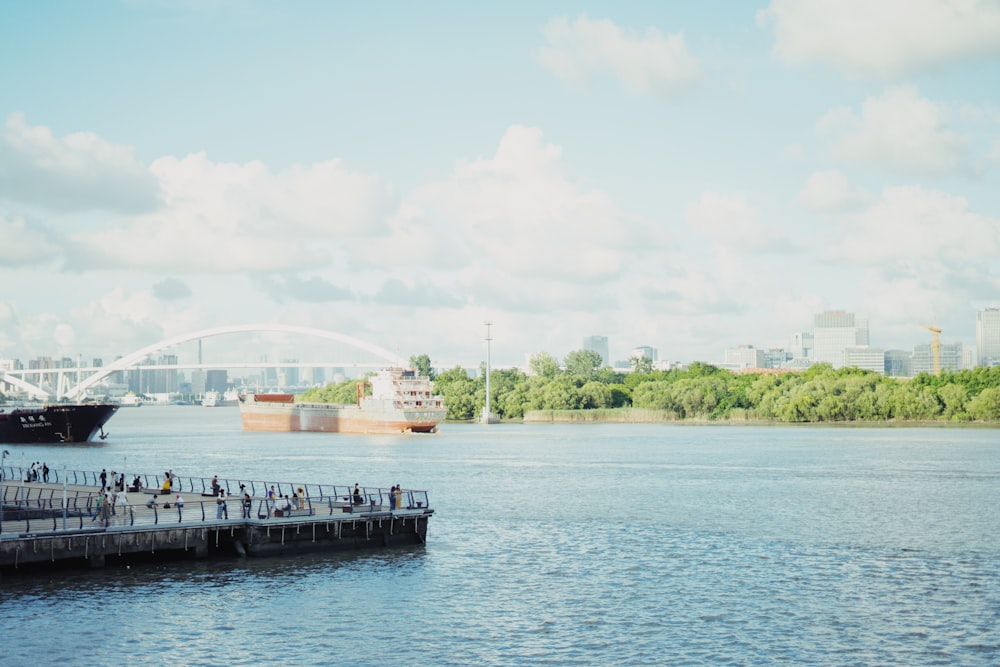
59 523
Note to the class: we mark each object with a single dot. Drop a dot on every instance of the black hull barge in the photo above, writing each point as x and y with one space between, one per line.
37 534
55 423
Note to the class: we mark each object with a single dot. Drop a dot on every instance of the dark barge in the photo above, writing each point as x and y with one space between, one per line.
54 422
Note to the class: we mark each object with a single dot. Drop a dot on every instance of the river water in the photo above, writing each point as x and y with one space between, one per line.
559 545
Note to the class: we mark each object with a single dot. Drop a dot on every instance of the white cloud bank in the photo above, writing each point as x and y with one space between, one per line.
651 64
884 38
900 131
77 172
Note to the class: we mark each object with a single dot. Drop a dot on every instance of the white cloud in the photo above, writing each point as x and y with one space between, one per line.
912 228
220 217
516 214
77 172
23 245
733 222
887 38
900 130
830 191
651 64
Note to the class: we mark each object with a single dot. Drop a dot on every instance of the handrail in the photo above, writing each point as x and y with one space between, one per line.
38 507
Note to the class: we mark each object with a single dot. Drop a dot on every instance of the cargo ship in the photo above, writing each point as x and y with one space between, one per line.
55 423
400 402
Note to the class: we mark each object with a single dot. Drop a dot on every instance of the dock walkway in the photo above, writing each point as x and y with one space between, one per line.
56 522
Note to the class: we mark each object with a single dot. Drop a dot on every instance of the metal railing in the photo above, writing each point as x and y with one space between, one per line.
26 507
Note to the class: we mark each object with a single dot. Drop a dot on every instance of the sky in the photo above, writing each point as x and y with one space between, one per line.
687 176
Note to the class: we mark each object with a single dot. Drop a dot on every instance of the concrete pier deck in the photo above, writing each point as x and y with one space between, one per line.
38 529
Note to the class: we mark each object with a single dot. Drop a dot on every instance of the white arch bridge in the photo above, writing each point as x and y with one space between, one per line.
16 378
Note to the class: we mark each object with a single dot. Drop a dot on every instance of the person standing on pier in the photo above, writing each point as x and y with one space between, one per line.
221 511
247 505
45 472
105 511
104 478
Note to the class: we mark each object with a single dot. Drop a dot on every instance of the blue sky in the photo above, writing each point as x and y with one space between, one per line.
690 176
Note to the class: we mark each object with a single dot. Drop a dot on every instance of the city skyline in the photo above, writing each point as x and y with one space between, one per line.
832 332
686 176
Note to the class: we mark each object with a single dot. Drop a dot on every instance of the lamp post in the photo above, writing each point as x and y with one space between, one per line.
3 461
64 496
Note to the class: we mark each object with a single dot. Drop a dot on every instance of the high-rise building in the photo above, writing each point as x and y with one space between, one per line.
745 356
833 332
291 373
897 363
776 357
217 379
800 345
866 358
643 352
988 337
598 344
950 358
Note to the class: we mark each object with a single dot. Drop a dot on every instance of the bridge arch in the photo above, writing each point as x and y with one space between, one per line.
130 359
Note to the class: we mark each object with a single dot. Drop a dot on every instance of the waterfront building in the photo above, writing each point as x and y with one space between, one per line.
776 357
865 358
744 356
289 375
598 344
217 380
897 363
833 332
988 337
643 352
950 358
800 345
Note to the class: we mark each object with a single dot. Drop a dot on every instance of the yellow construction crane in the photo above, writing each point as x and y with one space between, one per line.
935 347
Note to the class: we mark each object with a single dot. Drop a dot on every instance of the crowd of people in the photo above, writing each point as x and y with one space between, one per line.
112 499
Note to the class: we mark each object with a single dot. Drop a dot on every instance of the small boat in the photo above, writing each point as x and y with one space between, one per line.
214 399
130 400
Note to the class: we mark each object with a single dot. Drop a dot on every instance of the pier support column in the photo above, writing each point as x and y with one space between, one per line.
96 562
201 551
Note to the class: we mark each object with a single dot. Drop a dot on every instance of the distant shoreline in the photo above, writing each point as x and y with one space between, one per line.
643 416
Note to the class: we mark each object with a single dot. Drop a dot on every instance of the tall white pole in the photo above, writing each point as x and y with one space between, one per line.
486 408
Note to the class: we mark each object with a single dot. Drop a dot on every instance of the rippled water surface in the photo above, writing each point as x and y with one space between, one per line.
560 545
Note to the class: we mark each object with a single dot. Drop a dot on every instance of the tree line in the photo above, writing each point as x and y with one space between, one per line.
706 392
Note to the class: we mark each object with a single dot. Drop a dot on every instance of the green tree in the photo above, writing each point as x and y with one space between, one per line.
422 364
641 364
582 363
985 406
954 398
654 395
544 365
342 393
595 395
